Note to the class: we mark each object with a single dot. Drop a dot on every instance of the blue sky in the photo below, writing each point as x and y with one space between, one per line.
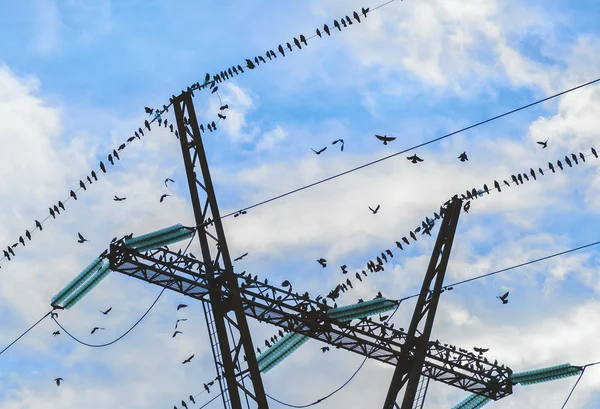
76 75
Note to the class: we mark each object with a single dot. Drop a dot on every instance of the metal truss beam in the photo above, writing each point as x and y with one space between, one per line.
301 314
223 309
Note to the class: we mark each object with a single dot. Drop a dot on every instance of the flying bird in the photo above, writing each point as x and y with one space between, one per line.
177 322
322 262
339 140
163 197
414 159
241 257
504 298
175 333
188 360
374 210
480 350
81 238
385 139
96 329
544 144
463 157
119 199
180 306
55 333
57 380
320 151
107 311
325 349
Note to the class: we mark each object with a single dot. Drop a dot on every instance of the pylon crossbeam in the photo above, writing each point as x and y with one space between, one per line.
301 314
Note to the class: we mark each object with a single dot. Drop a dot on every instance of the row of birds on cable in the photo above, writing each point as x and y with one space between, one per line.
56 209
377 264
192 399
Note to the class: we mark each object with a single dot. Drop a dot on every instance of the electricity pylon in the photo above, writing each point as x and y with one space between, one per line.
226 303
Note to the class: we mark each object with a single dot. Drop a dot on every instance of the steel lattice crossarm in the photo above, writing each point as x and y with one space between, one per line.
305 316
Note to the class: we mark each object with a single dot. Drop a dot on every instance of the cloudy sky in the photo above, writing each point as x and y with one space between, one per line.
75 76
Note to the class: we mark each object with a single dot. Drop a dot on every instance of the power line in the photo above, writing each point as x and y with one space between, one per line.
573 389
23 334
327 179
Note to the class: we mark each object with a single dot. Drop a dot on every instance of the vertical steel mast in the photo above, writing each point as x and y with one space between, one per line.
410 364
224 312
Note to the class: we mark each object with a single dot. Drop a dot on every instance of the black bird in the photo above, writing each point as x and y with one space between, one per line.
221 116
365 11
319 33
574 158
504 297
280 49
320 151
102 167
89 180
532 173
540 171
463 157
116 154
82 185
480 350
349 20
356 16
180 319
184 404
6 255
322 262
206 388
289 46
339 140
568 162
28 234
326 29
582 156
38 225
520 177
188 360
96 329
132 138
260 58
414 159
168 180
559 164
55 333
325 349
404 239
385 139
336 24
119 199
551 167
81 238
497 185
52 213
191 398
544 144
344 22
297 43
21 240
344 269
374 210
412 235
107 311
594 152
399 245
73 195
241 257
163 197
250 64
175 333
286 283
57 380
149 110
180 306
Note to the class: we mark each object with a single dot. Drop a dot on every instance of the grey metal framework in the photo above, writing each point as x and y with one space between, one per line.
228 298
223 310
304 315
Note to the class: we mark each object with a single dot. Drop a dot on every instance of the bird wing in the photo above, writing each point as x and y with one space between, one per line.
377 208
80 236
381 138
505 296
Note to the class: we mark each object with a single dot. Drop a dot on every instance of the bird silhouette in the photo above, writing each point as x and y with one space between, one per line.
480 350
119 199
58 380
81 238
339 140
241 257
374 210
559 164
504 298
463 157
163 197
356 16
568 162
286 283
414 159
184 404
191 398
320 151
96 329
180 306
336 24
297 43
107 311
177 322
168 180
206 388
325 349
55 333
326 29
175 333
385 139
544 144
365 11
188 360
322 262
148 110
38 225
319 33
594 153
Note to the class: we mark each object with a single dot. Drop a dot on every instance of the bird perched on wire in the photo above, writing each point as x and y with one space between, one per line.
385 139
